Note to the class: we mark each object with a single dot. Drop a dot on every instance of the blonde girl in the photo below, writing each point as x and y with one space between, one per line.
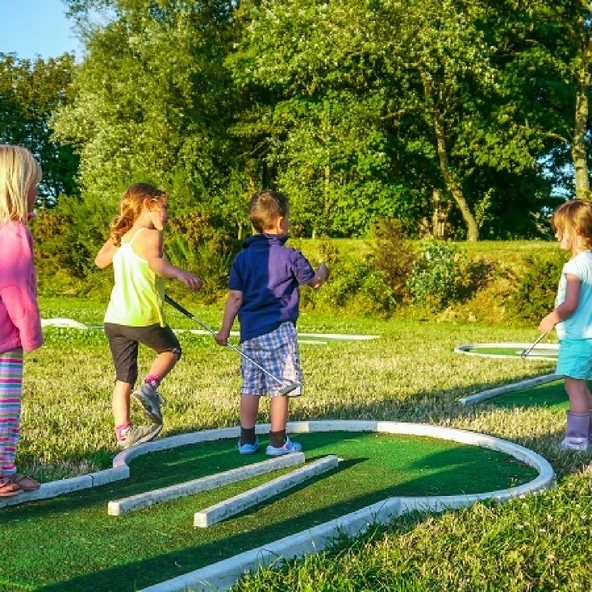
135 312
572 318
20 322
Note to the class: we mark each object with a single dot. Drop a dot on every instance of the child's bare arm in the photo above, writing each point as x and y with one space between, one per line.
104 257
231 308
320 276
566 308
153 255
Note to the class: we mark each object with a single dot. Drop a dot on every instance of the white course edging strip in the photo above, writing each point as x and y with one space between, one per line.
55 488
224 574
165 494
502 390
238 503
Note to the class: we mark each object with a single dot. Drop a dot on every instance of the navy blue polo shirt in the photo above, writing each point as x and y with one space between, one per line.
268 274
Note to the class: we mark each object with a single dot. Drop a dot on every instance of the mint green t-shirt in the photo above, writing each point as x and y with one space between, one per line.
579 324
138 293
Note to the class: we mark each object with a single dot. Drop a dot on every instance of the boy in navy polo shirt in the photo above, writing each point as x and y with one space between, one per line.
264 282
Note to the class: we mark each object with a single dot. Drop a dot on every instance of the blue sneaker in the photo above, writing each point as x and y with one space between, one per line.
248 448
287 448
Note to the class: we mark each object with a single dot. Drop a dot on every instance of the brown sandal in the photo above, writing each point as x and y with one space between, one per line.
8 489
23 482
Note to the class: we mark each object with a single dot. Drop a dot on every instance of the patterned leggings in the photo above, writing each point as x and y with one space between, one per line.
11 389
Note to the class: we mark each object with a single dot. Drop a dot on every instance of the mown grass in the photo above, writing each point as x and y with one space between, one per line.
409 374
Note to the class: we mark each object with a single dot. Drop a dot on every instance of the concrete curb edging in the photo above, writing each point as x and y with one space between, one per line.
55 488
502 390
224 574
234 505
173 492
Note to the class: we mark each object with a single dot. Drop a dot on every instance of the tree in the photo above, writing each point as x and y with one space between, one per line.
546 56
414 86
30 93
153 101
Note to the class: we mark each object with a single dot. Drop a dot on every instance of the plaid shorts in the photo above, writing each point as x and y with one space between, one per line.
278 353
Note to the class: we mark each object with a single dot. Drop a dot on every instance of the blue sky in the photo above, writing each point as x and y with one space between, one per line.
32 28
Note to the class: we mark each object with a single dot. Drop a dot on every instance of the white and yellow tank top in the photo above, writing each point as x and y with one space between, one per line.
138 293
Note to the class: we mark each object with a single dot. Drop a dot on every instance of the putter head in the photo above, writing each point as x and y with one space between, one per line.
288 388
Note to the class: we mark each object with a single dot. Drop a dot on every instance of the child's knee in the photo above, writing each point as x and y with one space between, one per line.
177 352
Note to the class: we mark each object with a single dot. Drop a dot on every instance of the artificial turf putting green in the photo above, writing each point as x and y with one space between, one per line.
71 544
550 395
514 352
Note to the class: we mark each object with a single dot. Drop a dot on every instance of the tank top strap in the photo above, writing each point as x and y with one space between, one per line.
131 241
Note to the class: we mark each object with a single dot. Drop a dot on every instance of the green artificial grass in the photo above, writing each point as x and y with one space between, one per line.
514 351
550 396
70 543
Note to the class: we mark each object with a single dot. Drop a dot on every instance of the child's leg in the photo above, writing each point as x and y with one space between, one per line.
168 349
580 399
578 416
121 404
161 366
278 411
11 386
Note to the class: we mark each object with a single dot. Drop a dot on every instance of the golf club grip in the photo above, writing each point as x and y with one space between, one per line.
176 305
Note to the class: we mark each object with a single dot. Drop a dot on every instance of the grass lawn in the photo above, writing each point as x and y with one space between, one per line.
410 373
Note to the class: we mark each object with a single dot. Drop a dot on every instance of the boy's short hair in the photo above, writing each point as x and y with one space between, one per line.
265 207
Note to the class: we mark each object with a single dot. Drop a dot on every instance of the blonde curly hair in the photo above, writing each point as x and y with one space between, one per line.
130 207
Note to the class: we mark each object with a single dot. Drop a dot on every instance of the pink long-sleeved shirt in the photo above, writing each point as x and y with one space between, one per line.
20 321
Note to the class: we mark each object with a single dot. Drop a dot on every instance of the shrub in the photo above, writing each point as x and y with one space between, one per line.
437 275
393 258
537 286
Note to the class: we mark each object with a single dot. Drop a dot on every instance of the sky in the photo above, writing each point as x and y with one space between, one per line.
32 28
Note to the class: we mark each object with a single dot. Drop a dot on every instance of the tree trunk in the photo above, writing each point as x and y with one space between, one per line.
451 183
578 149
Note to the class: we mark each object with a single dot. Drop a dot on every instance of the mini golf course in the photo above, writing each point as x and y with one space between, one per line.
188 512
69 541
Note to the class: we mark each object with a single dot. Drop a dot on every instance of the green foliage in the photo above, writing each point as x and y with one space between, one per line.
198 243
67 239
30 93
438 274
394 257
535 293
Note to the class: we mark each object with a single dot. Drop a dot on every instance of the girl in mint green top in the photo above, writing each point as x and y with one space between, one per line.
572 318
135 311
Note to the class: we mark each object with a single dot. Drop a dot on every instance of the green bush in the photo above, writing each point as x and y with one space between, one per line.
438 275
536 288
394 257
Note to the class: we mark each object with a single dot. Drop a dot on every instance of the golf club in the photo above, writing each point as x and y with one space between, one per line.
286 388
527 351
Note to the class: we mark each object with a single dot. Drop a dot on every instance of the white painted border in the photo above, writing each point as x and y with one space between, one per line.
502 390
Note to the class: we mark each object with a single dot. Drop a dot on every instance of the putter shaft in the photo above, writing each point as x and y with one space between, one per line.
286 388
527 351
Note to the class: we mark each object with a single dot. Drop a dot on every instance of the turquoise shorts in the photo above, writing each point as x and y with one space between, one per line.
575 359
